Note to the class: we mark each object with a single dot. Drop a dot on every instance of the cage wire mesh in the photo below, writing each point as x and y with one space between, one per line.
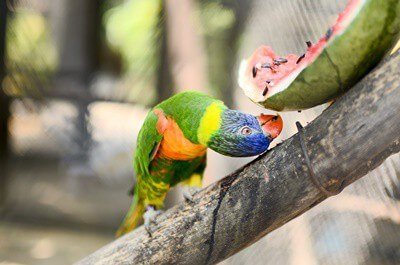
72 139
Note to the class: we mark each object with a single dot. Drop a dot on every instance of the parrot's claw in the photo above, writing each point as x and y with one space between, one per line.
149 218
188 194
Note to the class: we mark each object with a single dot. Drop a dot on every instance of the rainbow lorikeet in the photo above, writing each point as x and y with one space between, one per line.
173 141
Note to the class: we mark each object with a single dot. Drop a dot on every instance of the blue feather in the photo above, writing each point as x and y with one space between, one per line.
231 141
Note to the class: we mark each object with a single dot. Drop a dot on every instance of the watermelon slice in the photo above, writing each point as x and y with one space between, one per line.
363 33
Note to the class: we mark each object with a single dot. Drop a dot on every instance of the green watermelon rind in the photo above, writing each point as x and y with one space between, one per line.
345 60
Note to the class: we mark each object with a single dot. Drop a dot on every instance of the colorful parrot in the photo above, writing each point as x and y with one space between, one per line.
172 145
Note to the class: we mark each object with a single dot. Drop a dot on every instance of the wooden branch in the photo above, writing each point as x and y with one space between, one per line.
348 140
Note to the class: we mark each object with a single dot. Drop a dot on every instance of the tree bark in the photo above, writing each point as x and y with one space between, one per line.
348 140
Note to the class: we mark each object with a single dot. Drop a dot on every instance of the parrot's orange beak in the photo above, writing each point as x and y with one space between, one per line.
272 125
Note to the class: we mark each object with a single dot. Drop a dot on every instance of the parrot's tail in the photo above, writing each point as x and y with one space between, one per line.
133 217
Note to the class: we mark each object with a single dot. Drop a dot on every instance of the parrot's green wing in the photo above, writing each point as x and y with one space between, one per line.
147 145
149 140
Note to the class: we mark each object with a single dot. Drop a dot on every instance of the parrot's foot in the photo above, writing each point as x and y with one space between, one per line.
188 194
149 217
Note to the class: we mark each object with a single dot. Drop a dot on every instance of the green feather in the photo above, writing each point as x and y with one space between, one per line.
187 109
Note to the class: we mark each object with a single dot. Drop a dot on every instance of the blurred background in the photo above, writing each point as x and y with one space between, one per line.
77 78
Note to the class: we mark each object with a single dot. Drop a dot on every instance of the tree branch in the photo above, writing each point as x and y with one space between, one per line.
348 140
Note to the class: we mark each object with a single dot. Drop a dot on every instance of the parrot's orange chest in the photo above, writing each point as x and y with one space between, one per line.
175 146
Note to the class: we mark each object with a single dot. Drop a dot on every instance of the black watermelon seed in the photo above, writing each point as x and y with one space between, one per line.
265 91
309 44
254 71
328 34
300 58
266 65
281 60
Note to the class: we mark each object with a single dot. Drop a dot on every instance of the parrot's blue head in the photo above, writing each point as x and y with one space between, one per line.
242 134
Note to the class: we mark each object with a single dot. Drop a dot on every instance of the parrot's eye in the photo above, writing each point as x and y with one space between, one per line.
246 131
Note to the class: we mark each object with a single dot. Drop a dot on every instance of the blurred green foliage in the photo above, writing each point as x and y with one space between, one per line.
31 55
216 18
132 30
